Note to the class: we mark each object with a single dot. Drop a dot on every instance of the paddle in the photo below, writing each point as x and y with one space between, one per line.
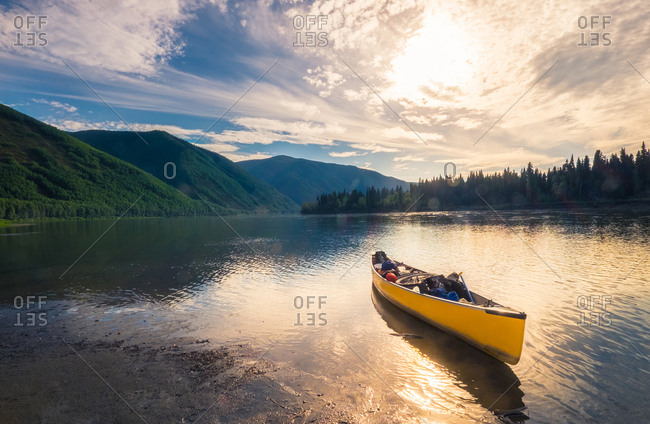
468 293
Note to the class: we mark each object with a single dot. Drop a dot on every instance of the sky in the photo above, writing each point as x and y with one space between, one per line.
412 89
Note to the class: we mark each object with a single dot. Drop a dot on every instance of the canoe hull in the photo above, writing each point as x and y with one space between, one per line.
496 331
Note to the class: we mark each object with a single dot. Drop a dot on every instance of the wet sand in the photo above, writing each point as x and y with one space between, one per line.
51 377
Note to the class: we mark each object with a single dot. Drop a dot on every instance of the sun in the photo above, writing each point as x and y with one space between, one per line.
438 56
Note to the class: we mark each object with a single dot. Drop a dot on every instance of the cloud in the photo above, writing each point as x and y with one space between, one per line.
72 125
136 37
226 149
235 157
58 105
212 140
267 131
239 157
324 78
354 95
366 165
374 148
401 167
257 131
408 159
592 98
399 133
345 154
222 148
467 123
305 110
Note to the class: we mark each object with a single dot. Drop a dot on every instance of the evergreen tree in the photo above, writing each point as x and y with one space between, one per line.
622 176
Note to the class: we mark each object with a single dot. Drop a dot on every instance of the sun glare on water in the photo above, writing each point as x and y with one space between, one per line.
437 56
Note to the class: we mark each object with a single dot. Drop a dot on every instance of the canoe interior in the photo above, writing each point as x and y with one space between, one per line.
483 323
410 277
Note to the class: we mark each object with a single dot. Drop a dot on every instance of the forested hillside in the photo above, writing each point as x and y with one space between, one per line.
191 169
46 173
302 180
620 177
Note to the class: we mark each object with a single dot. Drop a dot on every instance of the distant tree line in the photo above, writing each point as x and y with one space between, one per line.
603 180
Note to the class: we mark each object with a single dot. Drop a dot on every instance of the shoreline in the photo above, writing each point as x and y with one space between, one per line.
635 204
618 205
6 223
54 376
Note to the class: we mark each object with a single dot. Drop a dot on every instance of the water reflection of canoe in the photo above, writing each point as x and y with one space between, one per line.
493 328
492 383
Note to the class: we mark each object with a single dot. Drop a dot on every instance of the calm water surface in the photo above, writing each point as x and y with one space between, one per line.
580 276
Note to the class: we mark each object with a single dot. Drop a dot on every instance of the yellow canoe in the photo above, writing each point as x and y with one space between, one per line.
493 328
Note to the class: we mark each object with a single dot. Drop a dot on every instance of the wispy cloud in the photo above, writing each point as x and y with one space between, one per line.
214 141
212 144
408 159
374 148
267 131
365 165
345 154
123 36
325 79
235 157
66 107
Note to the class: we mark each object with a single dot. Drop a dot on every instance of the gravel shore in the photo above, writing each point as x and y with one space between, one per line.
49 376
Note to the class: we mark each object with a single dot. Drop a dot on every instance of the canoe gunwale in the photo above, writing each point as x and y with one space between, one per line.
503 310
518 315
508 352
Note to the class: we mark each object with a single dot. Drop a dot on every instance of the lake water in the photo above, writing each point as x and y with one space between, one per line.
303 286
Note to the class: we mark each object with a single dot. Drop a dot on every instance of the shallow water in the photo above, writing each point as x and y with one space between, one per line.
302 285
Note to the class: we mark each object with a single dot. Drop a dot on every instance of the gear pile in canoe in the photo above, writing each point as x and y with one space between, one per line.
448 304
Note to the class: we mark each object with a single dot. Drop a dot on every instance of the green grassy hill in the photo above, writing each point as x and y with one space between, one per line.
302 180
198 172
45 172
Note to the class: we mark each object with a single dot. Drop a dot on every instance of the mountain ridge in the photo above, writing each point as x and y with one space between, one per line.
197 172
46 173
303 179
